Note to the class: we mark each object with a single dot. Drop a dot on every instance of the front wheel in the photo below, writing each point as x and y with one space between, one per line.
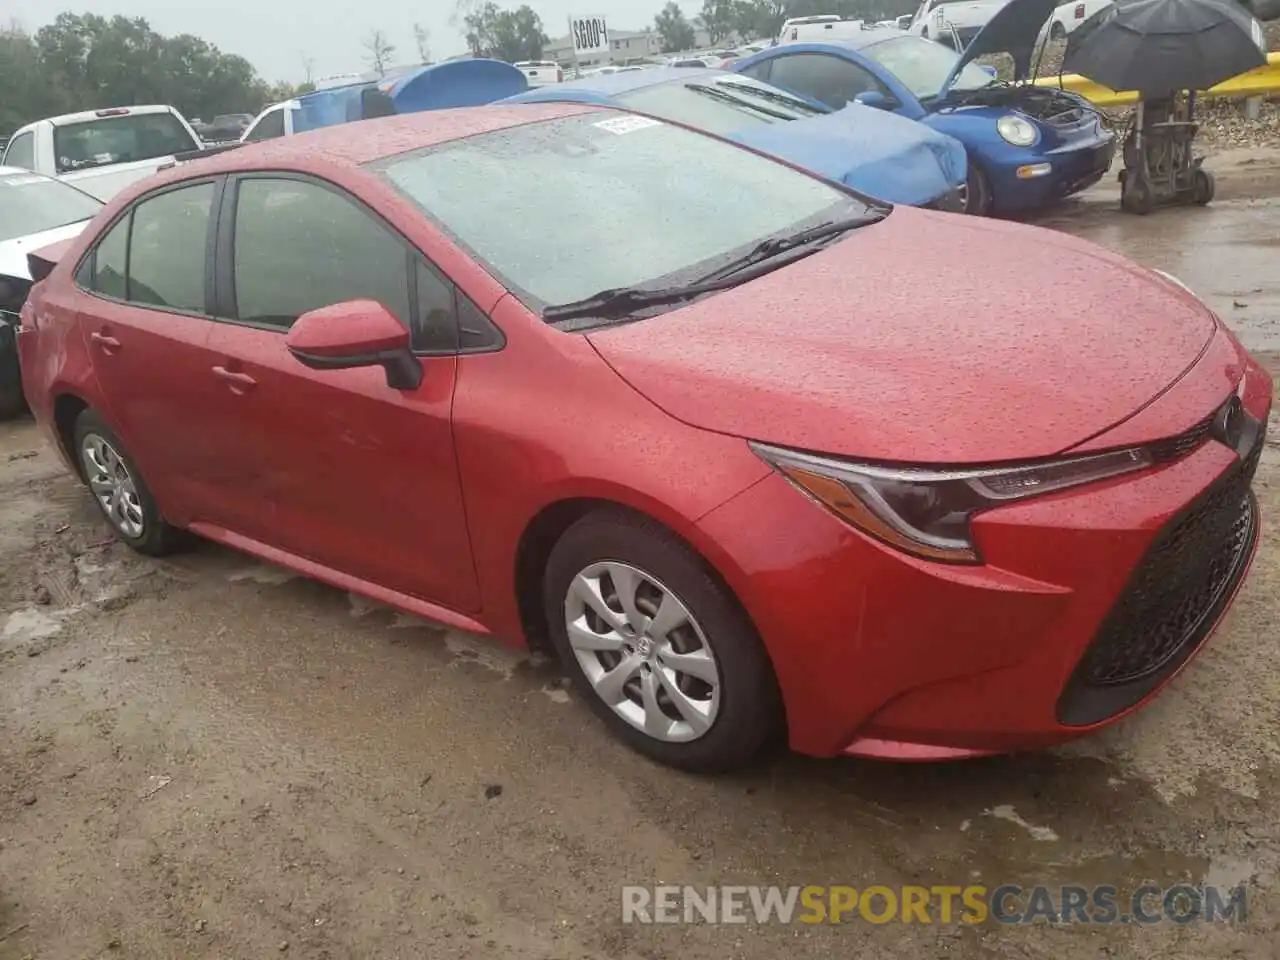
657 646
977 197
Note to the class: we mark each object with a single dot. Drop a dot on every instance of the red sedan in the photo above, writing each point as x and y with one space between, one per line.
576 377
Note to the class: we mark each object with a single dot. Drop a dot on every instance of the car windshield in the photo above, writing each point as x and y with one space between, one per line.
923 66
31 204
119 139
720 107
532 202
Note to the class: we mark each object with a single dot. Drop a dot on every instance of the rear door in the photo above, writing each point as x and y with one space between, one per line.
143 295
337 467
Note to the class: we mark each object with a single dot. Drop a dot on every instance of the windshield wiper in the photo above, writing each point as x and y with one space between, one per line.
717 93
786 100
771 247
621 301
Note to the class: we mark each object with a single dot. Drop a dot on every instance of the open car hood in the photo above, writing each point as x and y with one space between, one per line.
1014 30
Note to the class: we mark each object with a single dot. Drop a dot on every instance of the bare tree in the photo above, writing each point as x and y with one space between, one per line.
308 67
379 51
422 37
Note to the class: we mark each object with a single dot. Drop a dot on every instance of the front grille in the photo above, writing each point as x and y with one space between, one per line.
1175 448
1172 599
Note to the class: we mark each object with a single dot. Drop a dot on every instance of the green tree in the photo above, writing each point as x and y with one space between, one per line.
510 35
719 19
87 62
674 29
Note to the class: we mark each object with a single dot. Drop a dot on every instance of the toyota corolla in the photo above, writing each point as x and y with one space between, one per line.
740 470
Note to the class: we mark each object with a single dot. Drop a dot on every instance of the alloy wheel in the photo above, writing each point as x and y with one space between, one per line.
112 484
642 651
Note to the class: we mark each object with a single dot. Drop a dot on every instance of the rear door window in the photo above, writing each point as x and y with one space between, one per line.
167 249
110 262
156 254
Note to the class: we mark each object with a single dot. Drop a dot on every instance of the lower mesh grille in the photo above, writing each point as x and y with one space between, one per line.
1171 602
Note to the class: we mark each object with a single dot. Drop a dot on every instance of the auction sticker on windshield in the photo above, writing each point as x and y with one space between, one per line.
621 125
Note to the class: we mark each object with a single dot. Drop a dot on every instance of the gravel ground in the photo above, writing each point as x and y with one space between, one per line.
206 757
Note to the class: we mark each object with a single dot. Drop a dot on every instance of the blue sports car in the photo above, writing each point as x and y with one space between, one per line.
1028 145
875 153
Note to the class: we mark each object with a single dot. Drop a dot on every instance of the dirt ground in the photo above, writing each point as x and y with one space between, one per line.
206 757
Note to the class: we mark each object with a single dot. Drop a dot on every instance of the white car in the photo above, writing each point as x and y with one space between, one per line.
35 211
1070 15
541 73
104 151
949 21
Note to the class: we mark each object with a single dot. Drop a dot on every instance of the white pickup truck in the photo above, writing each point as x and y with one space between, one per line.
949 20
103 151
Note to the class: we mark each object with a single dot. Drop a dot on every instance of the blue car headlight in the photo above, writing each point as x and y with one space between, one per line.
1017 130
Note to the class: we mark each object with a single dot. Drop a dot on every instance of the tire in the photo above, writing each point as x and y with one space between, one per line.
1135 196
1204 186
109 471
737 715
977 196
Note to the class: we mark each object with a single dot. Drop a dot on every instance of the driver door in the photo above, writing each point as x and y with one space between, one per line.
335 466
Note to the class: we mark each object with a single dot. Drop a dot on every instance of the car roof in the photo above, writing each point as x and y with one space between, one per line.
612 84
863 38
364 141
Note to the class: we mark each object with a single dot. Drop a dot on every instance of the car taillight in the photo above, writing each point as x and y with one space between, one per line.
113 112
1079 11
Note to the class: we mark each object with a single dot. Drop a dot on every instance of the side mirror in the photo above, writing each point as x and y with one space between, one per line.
358 333
988 68
874 98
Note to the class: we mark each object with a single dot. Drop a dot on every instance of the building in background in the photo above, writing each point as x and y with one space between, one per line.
626 46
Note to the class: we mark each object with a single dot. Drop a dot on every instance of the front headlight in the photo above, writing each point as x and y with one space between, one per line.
1017 130
926 512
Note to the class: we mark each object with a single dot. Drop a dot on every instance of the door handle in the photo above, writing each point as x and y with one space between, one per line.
104 341
238 381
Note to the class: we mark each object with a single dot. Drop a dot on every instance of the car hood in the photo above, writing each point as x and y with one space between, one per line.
926 338
1014 30
13 253
874 152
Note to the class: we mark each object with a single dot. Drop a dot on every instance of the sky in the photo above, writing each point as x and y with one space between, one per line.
276 35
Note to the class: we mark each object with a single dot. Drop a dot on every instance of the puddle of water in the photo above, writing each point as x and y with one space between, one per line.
262 573
1007 813
31 624
487 653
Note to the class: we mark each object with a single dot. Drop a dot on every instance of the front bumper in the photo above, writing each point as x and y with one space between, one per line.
1068 170
880 654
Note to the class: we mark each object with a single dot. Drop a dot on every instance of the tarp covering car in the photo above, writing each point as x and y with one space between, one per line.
456 83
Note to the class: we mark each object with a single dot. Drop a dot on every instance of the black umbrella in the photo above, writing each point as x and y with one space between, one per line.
1160 46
